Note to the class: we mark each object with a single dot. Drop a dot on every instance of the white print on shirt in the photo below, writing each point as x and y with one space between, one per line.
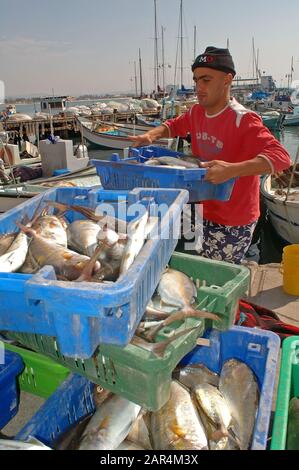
205 140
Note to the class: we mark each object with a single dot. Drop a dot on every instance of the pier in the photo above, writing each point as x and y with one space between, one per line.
63 125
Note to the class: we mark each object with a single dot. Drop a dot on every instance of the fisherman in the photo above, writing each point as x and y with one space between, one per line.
232 142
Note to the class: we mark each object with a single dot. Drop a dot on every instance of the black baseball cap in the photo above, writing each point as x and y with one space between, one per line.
217 59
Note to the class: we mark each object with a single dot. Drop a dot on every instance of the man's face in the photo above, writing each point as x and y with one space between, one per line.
211 86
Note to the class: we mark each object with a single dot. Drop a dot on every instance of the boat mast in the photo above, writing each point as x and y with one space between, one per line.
135 77
156 58
194 47
140 75
163 60
181 27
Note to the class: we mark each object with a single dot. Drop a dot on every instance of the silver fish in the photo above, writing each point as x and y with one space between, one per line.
136 236
139 433
15 256
177 162
66 263
177 425
128 445
196 374
118 225
30 444
211 405
110 424
51 227
5 242
239 388
82 236
177 290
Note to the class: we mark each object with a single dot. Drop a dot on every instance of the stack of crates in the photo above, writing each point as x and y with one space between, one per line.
137 374
256 348
87 327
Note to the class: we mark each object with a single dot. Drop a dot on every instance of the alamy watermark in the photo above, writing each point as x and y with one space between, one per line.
164 222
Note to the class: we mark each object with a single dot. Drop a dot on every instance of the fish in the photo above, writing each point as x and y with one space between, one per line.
293 425
136 236
82 236
6 241
139 433
31 444
66 263
191 159
196 374
177 162
110 424
213 410
70 439
15 256
51 227
114 223
128 445
99 395
176 289
159 348
177 425
239 388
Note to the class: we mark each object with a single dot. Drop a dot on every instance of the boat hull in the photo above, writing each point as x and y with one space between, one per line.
284 215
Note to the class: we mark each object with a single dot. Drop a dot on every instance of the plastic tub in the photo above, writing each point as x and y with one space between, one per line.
121 174
83 315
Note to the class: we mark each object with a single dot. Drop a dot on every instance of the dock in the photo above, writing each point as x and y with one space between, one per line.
63 124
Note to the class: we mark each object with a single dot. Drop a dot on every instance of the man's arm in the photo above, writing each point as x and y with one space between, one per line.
151 136
220 171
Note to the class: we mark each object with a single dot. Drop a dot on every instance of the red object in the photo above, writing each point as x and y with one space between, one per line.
252 315
233 135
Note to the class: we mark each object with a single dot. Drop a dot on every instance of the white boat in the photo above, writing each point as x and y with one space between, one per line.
293 118
283 205
115 136
14 194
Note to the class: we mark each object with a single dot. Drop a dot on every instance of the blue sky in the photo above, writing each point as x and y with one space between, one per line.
76 46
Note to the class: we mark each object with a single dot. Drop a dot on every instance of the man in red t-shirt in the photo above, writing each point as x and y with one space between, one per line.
232 142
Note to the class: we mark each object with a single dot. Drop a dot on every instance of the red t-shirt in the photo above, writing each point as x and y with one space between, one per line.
233 135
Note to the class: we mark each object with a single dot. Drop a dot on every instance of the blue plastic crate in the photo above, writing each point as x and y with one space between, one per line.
9 397
257 348
120 174
83 315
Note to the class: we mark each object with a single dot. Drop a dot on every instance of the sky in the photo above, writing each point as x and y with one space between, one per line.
74 47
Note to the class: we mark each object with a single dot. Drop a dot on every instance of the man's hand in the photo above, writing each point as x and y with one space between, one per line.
218 171
140 140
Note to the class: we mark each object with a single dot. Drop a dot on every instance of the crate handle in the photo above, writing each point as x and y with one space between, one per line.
195 175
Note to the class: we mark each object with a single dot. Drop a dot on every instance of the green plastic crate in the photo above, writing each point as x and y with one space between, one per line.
41 375
288 387
221 285
137 374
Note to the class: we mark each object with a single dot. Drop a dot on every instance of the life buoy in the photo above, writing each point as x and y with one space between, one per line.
6 154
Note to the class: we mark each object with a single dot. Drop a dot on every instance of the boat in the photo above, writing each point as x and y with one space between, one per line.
281 196
292 119
274 120
112 135
14 194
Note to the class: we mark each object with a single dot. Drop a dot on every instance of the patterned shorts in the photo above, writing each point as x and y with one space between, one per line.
226 243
